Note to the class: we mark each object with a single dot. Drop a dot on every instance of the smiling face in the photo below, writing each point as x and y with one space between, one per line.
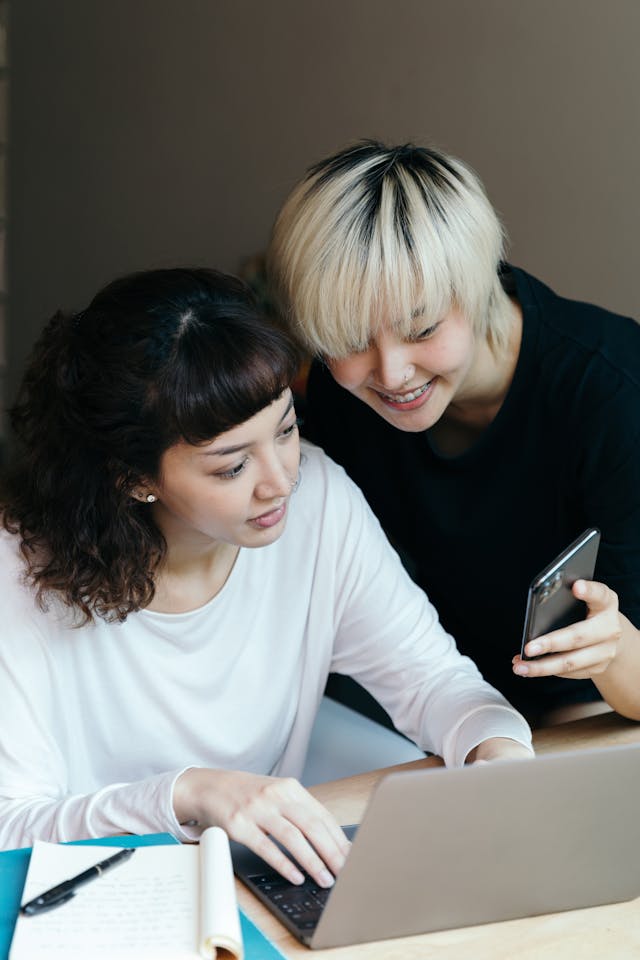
411 382
234 489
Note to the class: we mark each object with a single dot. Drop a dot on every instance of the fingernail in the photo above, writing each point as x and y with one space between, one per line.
325 879
521 669
296 877
534 648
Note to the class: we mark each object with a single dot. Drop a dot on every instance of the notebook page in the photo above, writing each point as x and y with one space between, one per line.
145 908
219 917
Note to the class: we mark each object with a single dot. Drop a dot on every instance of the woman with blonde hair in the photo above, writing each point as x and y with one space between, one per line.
487 420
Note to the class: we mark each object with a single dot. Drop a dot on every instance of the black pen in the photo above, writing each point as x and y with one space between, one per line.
64 891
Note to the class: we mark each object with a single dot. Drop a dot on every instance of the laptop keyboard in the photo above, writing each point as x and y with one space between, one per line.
302 904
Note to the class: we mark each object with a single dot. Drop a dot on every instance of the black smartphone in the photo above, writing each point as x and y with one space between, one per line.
550 602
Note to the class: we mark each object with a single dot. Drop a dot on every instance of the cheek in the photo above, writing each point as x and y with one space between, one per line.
450 355
293 451
351 372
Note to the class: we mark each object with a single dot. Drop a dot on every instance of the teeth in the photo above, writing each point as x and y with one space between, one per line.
406 397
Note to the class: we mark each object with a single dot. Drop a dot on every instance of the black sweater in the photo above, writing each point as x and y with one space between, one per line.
562 454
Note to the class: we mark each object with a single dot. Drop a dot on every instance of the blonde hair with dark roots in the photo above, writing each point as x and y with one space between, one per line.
372 228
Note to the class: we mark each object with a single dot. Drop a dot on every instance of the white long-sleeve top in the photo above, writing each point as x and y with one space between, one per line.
98 722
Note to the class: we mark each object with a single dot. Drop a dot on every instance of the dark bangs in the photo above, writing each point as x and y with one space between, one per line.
224 369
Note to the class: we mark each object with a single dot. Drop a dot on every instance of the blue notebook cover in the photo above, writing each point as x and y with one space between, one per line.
13 871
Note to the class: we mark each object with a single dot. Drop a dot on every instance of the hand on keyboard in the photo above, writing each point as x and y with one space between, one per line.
258 810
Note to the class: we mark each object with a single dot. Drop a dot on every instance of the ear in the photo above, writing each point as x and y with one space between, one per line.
144 496
134 485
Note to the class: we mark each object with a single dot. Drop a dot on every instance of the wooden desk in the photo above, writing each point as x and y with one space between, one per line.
610 932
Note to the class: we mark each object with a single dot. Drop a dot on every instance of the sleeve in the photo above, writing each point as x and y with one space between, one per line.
35 799
389 638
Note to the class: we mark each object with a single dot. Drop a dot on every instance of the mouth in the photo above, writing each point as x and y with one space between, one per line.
409 400
270 518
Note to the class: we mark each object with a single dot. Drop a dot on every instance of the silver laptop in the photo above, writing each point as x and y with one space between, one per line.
449 848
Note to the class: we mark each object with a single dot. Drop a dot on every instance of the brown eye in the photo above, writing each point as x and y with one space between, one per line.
232 472
288 431
427 332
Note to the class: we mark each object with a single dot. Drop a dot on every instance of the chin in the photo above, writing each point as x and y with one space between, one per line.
262 538
414 421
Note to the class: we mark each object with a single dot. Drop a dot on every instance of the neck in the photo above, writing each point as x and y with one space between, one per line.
490 375
193 571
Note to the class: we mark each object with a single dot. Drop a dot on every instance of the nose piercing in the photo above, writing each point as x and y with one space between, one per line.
293 484
405 379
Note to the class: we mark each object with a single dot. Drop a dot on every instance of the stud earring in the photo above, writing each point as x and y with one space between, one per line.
150 498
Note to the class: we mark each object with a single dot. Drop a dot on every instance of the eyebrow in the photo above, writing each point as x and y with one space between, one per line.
225 451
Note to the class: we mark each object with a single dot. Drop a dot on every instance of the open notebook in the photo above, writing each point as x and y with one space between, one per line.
164 901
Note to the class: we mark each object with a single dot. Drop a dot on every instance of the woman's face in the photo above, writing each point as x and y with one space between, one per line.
234 489
410 383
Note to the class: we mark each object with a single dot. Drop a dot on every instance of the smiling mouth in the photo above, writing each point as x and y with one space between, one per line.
402 398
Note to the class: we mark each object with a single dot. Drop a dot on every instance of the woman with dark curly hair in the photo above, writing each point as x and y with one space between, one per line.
156 671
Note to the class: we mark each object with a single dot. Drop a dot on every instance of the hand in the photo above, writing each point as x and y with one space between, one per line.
253 808
582 650
498 748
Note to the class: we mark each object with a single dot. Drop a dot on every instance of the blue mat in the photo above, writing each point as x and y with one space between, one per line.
13 871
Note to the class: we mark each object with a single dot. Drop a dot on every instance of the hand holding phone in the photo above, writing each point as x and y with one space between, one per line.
551 604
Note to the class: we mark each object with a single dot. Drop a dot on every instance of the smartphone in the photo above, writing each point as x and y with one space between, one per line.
550 602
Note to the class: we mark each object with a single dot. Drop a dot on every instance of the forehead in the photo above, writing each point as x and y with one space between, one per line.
393 315
239 437
390 319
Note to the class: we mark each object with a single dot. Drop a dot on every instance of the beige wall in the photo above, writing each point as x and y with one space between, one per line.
148 132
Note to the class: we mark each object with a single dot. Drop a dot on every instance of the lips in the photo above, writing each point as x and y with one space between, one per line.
406 401
270 519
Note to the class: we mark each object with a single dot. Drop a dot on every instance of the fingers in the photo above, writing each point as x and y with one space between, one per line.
597 596
308 833
498 748
583 649
578 635
262 844
576 664
262 812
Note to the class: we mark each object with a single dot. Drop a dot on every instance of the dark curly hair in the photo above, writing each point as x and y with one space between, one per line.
157 357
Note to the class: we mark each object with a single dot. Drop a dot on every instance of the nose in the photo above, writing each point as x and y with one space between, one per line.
274 481
393 368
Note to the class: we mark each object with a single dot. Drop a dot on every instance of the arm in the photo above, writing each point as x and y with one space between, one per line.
58 785
605 487
389 638
38 802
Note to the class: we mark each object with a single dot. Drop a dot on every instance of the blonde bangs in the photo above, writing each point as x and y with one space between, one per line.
377 243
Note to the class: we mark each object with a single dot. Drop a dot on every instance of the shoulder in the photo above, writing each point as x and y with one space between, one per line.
582 363
584 333
321 477
327 508
12 564
21 610
25 624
